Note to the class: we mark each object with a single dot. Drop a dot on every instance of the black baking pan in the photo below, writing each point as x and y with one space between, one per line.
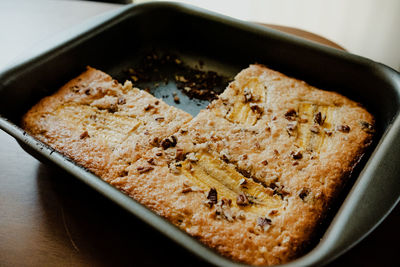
117 40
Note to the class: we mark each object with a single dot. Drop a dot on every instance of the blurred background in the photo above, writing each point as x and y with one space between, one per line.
370 28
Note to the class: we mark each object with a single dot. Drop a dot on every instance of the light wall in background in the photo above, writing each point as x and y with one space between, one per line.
370 28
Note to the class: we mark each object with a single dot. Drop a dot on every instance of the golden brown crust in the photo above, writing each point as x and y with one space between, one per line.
299 141
251 176
100 123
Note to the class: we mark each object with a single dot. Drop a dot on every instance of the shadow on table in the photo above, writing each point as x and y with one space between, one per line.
96 231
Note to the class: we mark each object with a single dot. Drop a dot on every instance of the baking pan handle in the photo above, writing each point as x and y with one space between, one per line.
375 194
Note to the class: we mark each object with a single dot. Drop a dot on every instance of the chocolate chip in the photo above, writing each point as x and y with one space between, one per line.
158 154
144 169
123 173
257 109
212 196
245 173
242 200
151 161
169 142
87 91
367 127
296 155
225 155
225 158
291 115
328 132
83 135
159 118
319 119
112 108
304 193
264 162
343 128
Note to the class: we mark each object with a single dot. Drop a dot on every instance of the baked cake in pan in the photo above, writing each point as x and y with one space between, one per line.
251 176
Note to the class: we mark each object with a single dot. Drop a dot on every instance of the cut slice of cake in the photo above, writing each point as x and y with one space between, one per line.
297 142
101 124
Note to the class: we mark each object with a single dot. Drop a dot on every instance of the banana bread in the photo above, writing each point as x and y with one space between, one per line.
251 176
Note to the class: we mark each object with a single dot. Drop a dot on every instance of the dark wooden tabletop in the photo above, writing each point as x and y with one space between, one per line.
49 218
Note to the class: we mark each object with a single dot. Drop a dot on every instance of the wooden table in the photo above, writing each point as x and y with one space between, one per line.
49 218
